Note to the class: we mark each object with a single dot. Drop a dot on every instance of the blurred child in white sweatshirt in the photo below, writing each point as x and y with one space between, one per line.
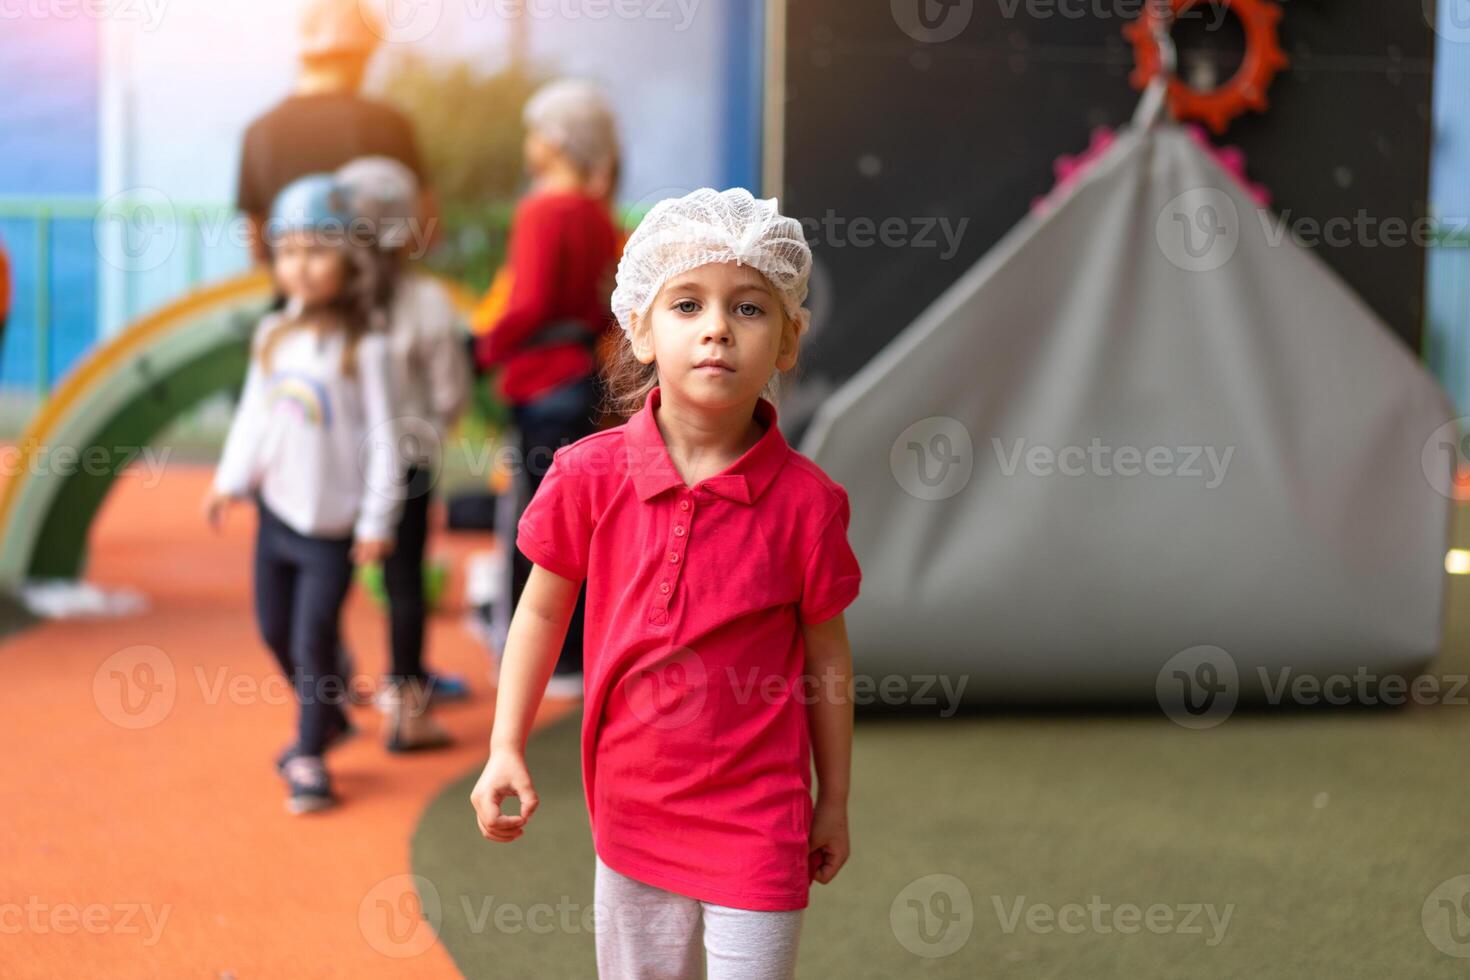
314 440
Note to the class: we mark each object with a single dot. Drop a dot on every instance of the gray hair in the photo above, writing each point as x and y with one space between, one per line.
574 116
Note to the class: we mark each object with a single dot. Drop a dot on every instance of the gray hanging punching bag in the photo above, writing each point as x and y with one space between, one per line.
1146 422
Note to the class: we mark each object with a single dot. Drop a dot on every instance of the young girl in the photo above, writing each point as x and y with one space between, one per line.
717 567
431 380
314 437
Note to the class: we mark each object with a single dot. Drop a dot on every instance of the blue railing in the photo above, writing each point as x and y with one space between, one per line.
81 268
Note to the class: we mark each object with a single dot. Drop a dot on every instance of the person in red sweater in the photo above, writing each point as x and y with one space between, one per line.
562 246
562 258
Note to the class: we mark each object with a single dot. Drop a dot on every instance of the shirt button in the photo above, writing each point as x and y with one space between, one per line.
679 531
663 587
673 556
683 505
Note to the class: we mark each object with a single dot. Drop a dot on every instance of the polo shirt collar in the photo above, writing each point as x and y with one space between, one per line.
742 481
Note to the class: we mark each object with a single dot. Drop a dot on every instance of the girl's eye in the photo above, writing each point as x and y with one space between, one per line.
748 309
687 306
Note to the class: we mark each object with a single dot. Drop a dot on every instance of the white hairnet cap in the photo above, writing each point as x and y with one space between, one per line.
386 192
575 117
704 226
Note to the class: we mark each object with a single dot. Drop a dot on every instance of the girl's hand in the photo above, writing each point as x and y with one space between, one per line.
369 551
505 776
214 506
828 846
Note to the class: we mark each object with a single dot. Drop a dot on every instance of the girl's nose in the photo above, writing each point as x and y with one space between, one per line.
716 328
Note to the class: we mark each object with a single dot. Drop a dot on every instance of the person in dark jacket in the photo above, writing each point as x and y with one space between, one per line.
325 122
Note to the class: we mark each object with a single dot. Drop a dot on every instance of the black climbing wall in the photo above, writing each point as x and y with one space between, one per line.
882 126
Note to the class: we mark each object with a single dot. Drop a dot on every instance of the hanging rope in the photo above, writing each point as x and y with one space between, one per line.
1160 18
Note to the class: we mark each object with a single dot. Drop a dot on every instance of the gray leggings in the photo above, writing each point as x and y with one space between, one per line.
646 933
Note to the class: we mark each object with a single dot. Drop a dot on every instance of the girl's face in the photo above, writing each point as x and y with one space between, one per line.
308 270
717 334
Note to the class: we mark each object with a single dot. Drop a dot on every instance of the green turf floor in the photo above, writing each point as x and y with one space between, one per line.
1020 846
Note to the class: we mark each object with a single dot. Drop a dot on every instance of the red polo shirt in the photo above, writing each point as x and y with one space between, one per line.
696 760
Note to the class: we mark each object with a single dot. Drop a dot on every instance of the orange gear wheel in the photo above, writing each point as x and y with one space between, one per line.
1245 90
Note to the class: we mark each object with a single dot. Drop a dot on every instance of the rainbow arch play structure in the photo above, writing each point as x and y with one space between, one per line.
114 402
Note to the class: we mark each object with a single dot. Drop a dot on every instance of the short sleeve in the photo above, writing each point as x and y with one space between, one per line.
831 577
555 531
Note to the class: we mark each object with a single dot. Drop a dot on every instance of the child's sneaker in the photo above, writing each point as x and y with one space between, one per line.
311 789
340 731
448 688
410 726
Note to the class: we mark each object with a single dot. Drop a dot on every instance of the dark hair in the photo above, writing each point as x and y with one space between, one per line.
389 266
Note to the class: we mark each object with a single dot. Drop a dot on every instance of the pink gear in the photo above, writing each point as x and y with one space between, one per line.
1070 169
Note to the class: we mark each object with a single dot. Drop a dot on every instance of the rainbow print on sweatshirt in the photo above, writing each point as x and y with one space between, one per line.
303 397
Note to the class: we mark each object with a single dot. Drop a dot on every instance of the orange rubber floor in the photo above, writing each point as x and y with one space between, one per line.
142 831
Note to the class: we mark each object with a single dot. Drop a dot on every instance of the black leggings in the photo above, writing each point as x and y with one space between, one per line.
300 585
403 579
560 417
